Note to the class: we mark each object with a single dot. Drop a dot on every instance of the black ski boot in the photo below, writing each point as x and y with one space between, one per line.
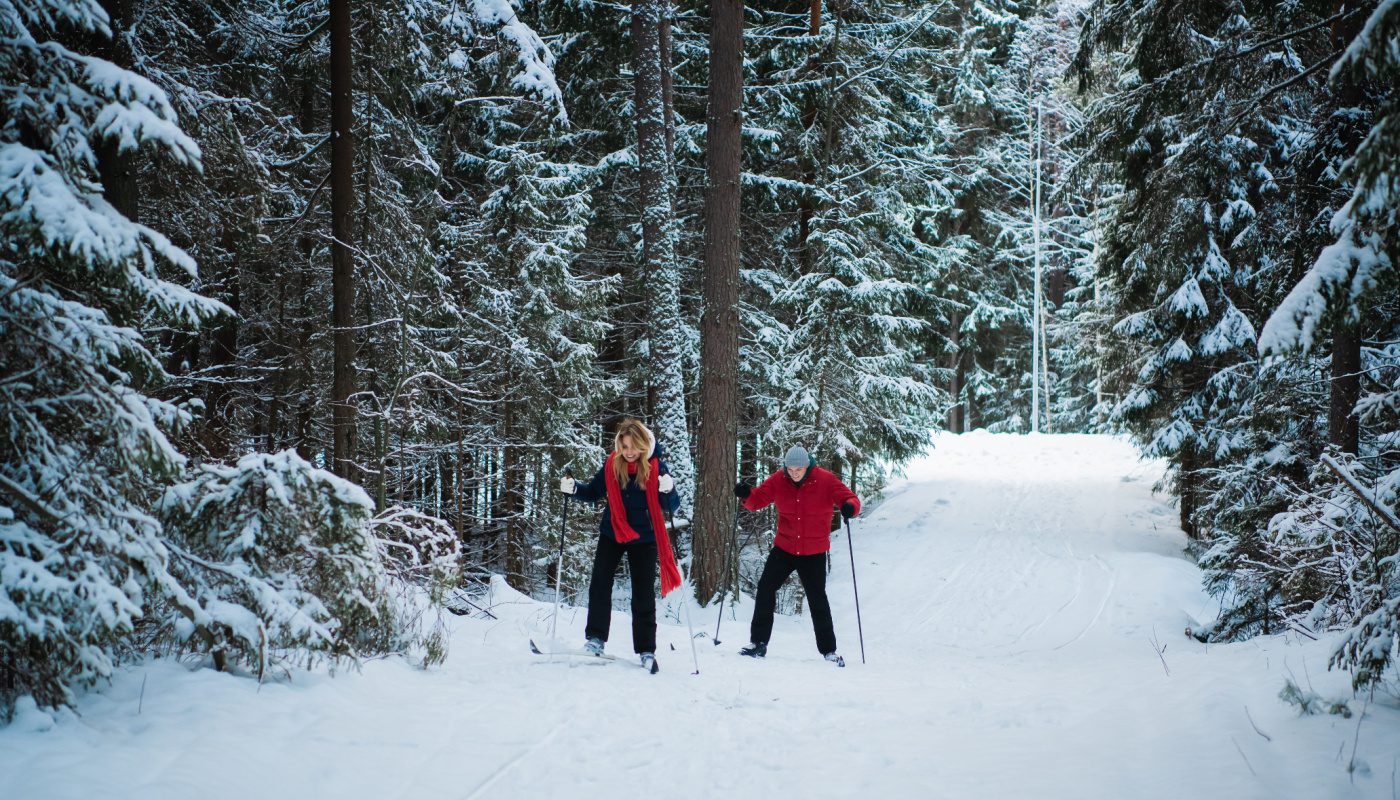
754 650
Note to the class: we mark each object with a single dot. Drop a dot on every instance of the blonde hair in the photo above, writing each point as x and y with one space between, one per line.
644 441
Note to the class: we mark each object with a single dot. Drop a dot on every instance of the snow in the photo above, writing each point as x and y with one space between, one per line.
1368 48
1188 300
1341 266
1022 601
1233 331
534 59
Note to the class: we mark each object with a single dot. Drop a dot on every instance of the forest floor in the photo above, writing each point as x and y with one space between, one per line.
1023 601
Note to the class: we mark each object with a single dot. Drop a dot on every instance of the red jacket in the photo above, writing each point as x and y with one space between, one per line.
804 509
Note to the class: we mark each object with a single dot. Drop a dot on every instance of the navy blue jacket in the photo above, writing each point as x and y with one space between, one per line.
634 497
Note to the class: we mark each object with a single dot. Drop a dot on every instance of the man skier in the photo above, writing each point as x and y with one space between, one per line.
805 495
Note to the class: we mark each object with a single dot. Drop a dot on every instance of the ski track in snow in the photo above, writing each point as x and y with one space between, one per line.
1011 590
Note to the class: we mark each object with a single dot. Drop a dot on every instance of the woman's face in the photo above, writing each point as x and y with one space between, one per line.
628 449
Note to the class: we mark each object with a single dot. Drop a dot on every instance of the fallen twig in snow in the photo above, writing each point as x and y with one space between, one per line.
1266 736
1242 755
1352 765
1160 649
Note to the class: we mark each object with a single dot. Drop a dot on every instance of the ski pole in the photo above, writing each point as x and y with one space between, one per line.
728 563
685 601
852 550
559 567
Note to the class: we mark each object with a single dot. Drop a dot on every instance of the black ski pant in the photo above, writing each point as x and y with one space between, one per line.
811 570
641 562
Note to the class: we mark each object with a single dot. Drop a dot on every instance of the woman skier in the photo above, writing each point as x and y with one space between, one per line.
636 484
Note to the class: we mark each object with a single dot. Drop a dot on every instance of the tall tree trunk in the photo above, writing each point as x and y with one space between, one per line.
116 168
956 413
512 508
223 354
342 231
719 327
1343 428
659 233
805 208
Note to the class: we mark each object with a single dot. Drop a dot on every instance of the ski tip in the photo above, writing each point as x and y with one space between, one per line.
535 648
655 668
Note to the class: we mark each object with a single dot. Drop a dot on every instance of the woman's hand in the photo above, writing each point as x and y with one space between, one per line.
567 486
665 484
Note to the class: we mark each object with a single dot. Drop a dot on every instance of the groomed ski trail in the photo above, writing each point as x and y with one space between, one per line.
1023 601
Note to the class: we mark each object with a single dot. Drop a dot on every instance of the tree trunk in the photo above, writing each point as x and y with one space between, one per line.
1187 491
116 168
719 327
1343 428
956 420
342 231
223 354
659 233
512 508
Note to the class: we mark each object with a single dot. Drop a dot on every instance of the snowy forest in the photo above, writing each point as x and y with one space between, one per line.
306 305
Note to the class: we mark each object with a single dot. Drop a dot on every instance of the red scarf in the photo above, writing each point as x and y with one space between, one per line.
670 573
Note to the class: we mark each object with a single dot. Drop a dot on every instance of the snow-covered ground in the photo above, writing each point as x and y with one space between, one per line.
1023 601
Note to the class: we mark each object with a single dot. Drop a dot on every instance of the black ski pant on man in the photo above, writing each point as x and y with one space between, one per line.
811 570
641 563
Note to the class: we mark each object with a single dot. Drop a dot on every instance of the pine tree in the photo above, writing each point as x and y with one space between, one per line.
85 437
1186 257
1330 557
834 354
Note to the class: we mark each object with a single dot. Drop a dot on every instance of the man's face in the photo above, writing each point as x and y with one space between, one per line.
797 473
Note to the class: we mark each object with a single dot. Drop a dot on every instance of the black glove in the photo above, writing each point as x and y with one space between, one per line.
741 490
848 510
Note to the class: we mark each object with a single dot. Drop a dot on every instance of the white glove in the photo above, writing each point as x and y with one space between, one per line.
664 484
566 485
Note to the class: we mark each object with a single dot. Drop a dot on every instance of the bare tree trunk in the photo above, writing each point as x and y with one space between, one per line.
1343 428
342 231
659 234
719 327
512 509
957 415
223 355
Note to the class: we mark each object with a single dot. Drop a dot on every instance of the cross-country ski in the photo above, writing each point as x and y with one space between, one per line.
647 663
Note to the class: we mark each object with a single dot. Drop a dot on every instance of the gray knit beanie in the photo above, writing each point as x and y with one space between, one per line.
797 456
